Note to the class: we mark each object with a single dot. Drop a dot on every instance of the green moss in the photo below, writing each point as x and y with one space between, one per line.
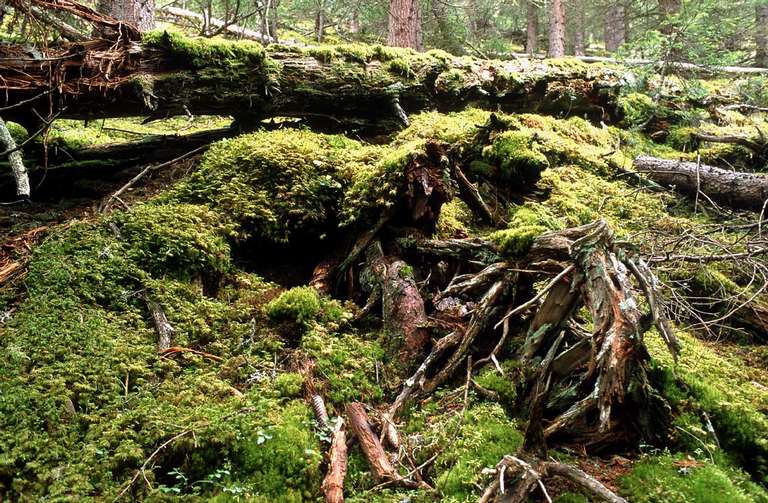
175 237
637 108
666 479
517 154
527 222
289 384
484 437
85 398
347 364
300 305
506 386
451 128
272 185
18 132
204 52
400 66
455 219
722 387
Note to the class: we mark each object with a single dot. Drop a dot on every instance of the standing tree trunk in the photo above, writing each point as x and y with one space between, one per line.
761 35
320 21
139 13
354 22
532 29
404 24
557 30
615 32
667 9
579 28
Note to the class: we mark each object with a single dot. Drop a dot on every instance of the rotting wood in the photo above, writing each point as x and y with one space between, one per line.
333 483
277 86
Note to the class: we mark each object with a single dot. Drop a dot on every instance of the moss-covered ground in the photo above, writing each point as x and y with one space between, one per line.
88 408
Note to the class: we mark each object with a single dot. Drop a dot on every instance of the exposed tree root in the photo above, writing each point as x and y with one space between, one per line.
525 477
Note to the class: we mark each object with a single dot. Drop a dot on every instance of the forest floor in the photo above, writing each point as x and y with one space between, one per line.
222 247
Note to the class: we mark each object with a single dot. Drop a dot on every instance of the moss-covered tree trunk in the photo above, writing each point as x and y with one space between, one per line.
343 86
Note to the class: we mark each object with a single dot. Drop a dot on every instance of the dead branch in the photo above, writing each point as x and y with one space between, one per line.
381 468
14 157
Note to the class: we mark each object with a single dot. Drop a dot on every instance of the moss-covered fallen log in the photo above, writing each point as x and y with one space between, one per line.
342 86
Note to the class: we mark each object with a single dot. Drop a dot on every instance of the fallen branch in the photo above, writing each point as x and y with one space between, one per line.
381 468
174 13
178 349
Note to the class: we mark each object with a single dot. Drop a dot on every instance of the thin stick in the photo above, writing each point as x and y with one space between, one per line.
149 168
149 460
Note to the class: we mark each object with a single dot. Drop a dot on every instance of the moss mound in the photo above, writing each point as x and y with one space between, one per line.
677 479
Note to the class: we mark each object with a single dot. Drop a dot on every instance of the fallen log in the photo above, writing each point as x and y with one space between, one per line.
342 87
732 188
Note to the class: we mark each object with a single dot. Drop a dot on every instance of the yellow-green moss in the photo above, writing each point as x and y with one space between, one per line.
272 185
204 52
671 479
346 363
526 223
451 128
455 219
302 305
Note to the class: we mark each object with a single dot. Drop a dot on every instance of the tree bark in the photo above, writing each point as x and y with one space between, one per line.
732 188
404 24
139 13
532 28
615 33
761 35
557 30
